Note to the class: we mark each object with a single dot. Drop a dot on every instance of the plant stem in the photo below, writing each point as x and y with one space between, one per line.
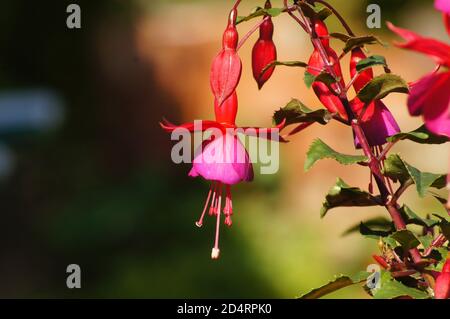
374 163
338 15
249 33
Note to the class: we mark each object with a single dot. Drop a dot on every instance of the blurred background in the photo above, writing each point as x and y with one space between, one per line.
86 175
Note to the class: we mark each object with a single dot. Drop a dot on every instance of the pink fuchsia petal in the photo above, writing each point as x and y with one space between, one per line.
225 160
436 109
420 92
442 5
380 126
438 50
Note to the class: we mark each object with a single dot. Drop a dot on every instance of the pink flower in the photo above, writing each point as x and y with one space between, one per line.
442 285
430 96
222 160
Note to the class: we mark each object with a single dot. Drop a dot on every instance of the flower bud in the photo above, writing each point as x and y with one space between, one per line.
322 32
442 286
226 67
328 98
264 52
365 76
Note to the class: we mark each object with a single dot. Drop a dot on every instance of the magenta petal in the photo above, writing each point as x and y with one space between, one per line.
381 125
225 160
436 109
442 5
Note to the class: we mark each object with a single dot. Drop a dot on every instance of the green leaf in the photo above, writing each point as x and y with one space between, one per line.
406 239
342 195
398 169
337 283
319 150
370 62
412 218
340 36
391 288
445 228
296 112
309 79
376 224
420 135
376 232
381 86
356 42
258 12
323 77
286 63
426 240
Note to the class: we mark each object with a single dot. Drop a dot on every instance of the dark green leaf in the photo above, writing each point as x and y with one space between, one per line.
406 239
342 195
258 12
319 150
381 86
296 112
286 63
420 135
370 62
412 218
391 288
340 36
338 283
356 42
400 170
445 228
376 224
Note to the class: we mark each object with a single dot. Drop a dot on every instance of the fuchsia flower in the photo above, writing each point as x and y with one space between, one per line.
430 96
442 285
377 121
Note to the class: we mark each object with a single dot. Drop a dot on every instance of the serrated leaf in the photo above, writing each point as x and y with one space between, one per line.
356 42
319 150
258 12
296 112
377 224
420 135
381 86
338 283
370 62
391 288
398 169
412 218
342 195
406 239
283 63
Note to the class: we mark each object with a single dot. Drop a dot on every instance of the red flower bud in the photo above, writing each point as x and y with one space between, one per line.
226 113
264 52
442 286
226 67
322 32
380 260
328 99
446 267
365 76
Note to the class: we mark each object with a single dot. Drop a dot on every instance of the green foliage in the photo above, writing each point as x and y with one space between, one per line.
356 42
319 150
406 239
371 226
420 135
284 63
411 217
296 112
370 62
337 283
397 169
323 77
391 288
342 195
258 12
381 86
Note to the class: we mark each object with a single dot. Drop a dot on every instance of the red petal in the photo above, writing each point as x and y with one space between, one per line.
264 52
442 286
447 22
438 50
225 74
365 76
169 127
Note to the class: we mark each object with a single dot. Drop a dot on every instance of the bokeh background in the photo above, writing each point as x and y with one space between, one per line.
86 175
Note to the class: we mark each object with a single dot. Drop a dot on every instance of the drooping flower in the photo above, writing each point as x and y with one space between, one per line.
264 51
222 160
430 96
377 121
442 285
316 65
